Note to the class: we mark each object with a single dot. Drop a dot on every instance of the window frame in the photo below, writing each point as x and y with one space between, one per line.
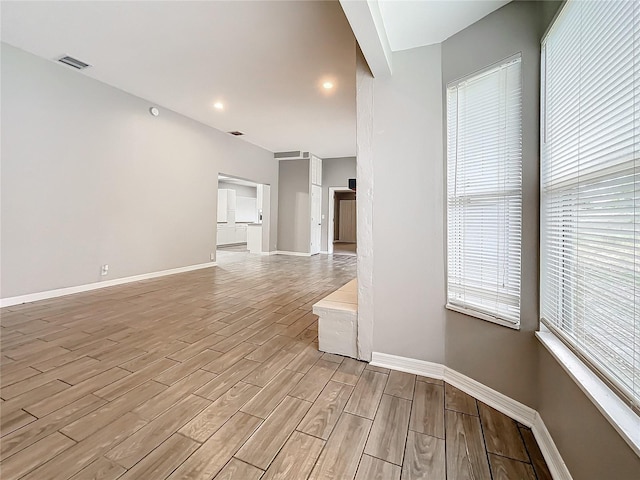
613 403
448 306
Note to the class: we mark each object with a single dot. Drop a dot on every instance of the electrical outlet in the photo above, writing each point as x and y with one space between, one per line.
105 269
212 257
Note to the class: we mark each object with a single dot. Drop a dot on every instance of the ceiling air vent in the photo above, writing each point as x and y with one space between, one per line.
293 155
236 133
73 62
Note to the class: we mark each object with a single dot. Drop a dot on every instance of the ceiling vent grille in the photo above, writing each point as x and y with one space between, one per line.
73 62
293 155
236 133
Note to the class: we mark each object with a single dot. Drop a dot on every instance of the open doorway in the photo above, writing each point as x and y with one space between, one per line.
342 231
242 217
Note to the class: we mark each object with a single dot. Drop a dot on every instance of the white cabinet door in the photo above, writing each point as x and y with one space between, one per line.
240 234
231 200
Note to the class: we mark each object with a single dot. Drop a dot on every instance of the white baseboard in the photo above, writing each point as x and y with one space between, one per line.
550 452
408 365
294 254
510 407
60 292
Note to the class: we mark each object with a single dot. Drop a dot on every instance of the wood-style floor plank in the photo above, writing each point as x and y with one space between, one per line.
349 371
314 380
212 456
138 445
15 419
424 458
325 412
387 438
372 468
537 460
267 441
22 438
427 411
83 453
459 401
341 455
296 459
216 373
366 396
237 470
466 453
103 416
264 373
163 460
501 434
503 468
207 422
31 457
400 384
272 394
101 469
173 394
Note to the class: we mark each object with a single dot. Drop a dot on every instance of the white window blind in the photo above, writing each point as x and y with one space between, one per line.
484 193
590 186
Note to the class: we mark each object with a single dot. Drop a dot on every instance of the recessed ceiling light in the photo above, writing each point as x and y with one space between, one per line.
327 85
218 105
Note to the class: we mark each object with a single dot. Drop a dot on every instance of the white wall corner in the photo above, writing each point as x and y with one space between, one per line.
367 25
364 174
510 407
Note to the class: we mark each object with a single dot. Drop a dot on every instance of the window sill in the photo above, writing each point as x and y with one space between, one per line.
482 316
618 413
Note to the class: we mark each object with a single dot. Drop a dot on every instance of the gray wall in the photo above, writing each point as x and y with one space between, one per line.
336 172
501 358
294 227
241 190
589 445
90 177
408 270
409 278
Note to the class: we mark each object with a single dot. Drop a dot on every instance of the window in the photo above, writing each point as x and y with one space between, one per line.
484 193
590 187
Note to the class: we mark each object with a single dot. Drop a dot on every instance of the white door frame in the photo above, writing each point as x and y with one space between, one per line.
330 215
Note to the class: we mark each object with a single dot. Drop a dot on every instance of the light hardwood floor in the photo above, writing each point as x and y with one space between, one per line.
216 374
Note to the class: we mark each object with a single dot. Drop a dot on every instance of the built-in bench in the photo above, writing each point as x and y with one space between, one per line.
338 321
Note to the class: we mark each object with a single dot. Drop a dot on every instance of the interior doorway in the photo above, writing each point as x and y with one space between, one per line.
342 231
243 216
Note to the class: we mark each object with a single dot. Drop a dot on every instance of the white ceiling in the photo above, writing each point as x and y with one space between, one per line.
264 60
410 24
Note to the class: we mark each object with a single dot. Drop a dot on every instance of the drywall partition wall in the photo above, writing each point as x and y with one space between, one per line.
364 174
335 173
589 445
89 177
408 268
499 357
294 211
